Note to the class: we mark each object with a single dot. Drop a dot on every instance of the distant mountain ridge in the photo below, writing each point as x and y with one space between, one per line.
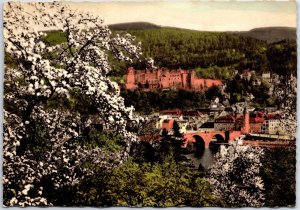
268 34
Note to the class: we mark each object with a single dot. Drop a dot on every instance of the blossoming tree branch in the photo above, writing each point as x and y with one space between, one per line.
80 64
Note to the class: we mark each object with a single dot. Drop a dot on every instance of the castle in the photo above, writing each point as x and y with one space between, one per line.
163 78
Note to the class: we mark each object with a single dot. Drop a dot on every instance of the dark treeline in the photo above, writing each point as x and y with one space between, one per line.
148 102
151 101
279 175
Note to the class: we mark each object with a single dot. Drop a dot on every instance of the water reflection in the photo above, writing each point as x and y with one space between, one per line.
205 157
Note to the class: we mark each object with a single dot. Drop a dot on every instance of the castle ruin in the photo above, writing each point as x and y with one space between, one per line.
163 78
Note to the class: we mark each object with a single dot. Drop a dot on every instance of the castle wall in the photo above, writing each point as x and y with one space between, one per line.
165 78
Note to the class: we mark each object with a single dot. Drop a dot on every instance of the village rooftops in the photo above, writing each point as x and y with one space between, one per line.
191 113
174 112
256 120
207 125
225 119
178 112
272 116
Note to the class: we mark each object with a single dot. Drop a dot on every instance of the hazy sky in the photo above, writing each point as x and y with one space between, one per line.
208 16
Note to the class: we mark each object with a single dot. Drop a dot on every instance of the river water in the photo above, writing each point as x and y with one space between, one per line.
206 159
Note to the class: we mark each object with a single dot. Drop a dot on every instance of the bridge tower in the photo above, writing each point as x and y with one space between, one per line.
246 127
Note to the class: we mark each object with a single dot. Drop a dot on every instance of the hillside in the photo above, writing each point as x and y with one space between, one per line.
270 34
212 54
174 48
216 54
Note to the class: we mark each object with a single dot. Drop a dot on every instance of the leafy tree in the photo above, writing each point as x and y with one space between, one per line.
213 92
182 99
171 144
283 57
279 175
159 185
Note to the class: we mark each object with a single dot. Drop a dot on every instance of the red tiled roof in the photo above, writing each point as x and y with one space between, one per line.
260 114
171 111
191 113
226 118
256 120
272 116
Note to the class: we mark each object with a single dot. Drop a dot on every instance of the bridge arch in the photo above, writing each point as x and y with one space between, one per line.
199 145
216 142
219 138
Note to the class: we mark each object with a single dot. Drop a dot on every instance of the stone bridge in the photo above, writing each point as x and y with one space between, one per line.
203 139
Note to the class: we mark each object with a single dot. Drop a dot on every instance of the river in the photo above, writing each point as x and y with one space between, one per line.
206 159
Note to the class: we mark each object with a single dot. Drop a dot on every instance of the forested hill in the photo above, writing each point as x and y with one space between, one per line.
270 34
212 54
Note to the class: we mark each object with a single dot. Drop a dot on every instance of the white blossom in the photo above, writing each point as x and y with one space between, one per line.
235 176
82 64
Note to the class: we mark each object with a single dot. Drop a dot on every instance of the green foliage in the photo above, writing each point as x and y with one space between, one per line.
118 79
148 102
171 145
55 37
214 72
213 92
175 48
158 185
10 61
109 141
279 175
239 90
38 142
283 57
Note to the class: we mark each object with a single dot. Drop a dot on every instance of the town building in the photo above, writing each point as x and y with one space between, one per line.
224 123
272 124
233 119
207 127
163 78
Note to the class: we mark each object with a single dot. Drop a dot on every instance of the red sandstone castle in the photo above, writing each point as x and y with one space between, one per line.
163 78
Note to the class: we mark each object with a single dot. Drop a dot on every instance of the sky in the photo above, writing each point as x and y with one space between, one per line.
198 15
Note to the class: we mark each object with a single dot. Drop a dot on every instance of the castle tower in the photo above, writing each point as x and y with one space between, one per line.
184 79
130 79
193 78
130 76
246 127
158 73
